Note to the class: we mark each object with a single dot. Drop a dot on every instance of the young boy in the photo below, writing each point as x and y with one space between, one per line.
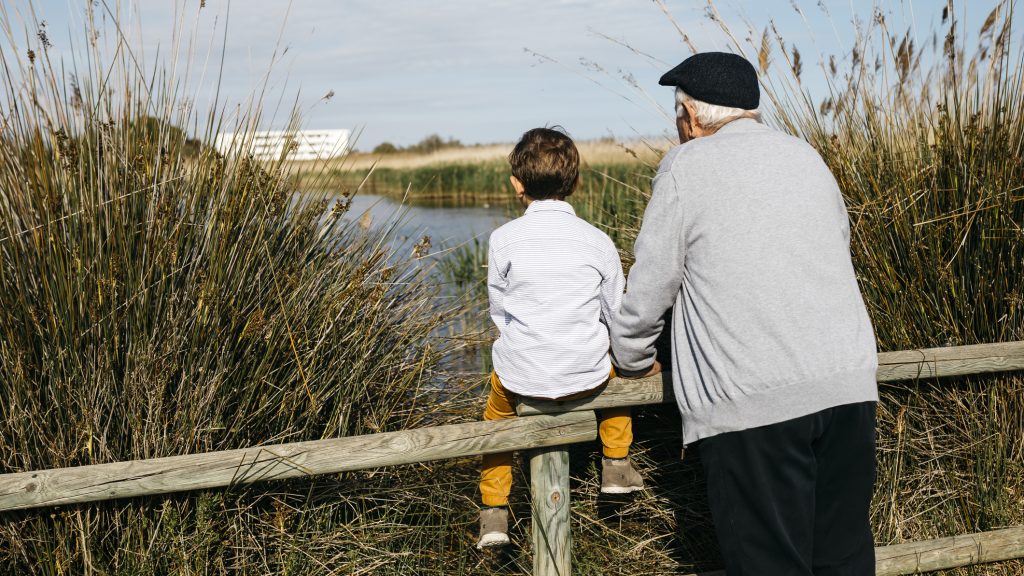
554 282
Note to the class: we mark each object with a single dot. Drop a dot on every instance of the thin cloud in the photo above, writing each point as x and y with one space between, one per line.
407 68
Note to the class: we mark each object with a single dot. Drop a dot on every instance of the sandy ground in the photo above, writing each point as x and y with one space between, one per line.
592 152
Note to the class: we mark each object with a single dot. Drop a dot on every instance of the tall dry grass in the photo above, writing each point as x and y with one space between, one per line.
602 151
927 148
158 298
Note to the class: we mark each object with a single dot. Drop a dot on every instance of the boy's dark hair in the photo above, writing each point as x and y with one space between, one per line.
546 161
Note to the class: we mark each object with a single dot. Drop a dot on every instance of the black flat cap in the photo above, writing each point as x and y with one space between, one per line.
717 78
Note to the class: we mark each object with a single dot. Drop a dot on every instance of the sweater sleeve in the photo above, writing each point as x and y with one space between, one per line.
654 279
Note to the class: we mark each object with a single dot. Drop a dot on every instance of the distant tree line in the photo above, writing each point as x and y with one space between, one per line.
431 143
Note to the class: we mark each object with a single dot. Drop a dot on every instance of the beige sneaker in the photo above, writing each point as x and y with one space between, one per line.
493 527
619 477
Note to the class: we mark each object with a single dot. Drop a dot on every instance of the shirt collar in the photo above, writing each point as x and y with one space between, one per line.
547 205
740 125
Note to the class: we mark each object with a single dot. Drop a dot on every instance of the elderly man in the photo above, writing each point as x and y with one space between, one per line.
747 240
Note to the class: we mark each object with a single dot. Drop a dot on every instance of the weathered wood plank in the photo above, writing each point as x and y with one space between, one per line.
950 353
951 552
549 489
618 392
943 553
950 361
218 469
892 367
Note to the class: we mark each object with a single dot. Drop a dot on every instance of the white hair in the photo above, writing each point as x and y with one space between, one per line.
712 116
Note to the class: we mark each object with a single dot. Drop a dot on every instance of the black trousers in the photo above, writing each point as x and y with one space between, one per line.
792 499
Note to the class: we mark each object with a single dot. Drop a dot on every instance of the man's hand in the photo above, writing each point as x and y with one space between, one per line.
654 369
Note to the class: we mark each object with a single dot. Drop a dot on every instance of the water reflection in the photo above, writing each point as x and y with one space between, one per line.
447 226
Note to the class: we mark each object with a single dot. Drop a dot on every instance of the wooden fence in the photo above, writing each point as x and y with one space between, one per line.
545 428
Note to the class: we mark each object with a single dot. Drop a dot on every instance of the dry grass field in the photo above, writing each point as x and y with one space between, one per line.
601 151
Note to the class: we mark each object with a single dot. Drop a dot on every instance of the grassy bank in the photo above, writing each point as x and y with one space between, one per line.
469 175
484 182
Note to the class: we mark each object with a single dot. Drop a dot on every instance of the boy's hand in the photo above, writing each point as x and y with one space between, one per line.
654 369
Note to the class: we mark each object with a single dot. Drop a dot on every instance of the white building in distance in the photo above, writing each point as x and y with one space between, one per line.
301 144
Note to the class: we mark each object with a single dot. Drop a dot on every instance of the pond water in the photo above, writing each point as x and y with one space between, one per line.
447 226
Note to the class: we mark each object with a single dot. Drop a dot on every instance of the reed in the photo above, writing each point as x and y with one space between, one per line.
928 156
603 187
158 298
449 183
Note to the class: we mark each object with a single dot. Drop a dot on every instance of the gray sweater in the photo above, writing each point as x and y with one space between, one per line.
747 240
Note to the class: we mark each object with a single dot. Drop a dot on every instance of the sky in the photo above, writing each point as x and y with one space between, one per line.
475 70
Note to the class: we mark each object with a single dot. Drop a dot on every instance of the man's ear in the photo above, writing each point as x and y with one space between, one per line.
517 186
691 115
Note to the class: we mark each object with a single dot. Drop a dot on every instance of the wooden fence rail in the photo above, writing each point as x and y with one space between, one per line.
892 367
279 461
942 553
546 425
951 552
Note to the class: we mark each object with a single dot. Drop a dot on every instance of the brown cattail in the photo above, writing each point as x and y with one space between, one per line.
765 53
990 21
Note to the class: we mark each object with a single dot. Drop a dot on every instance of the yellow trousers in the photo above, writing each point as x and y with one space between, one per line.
615 430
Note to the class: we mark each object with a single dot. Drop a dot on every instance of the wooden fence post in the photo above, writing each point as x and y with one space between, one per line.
549 489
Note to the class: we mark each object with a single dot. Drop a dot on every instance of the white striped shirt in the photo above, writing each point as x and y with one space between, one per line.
553 281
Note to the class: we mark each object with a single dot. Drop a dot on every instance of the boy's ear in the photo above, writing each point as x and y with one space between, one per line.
517 185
